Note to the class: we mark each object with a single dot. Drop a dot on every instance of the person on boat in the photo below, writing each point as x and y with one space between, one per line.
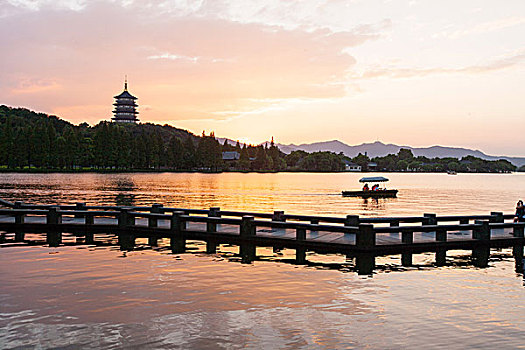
520 212
365 187
375 187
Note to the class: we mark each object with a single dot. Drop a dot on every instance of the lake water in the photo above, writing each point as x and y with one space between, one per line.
79 296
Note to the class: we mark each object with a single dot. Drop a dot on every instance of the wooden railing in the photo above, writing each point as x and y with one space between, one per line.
179 225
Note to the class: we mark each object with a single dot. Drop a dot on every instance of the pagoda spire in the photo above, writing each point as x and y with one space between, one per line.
125 106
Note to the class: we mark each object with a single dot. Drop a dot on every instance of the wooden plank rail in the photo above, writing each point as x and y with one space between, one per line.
357 237
7 204
286 217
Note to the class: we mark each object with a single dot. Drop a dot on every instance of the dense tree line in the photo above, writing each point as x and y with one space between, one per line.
266 157
36 140
406 161
30 140
316 161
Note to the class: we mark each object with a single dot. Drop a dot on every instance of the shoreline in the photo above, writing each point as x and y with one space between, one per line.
120 171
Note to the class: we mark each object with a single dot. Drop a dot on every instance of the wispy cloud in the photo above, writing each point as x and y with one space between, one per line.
191 59
35 5
506 62
210 64
481 28
31 86
255 66
174 57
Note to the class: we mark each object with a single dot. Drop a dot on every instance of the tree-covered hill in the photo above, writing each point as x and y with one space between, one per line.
37 141
30 140
405 160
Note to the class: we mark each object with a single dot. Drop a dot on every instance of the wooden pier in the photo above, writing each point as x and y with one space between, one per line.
362 238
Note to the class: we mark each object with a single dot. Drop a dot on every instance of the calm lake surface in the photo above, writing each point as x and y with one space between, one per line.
79 296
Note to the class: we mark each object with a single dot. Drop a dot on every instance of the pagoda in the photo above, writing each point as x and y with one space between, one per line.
125 107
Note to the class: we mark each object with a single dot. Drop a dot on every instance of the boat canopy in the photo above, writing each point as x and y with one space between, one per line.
373 179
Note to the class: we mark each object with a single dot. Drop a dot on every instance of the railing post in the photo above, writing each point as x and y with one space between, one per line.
300 251
19 233
429 219
366 237
53 219
464 221
89 221
125 219
153 240
365 241
153 223
517 249
53 216
407 237
314 222
278 215
496 217
177 240
214 212
352 220
394 223
18 205
211 228
441 253
80 207
126 239
481 252
155 209
247 231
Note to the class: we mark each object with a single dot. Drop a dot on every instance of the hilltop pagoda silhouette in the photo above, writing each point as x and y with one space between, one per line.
125 107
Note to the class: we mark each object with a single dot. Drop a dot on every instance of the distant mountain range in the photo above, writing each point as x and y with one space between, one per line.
379 149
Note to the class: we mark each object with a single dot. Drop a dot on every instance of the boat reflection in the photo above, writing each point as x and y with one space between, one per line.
376 204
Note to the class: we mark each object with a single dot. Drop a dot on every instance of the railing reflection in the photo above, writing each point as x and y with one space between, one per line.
234 253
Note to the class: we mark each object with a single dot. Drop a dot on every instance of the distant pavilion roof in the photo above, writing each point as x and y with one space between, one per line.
231 155
126 94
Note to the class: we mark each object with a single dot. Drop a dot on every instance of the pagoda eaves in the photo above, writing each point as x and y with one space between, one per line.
125 107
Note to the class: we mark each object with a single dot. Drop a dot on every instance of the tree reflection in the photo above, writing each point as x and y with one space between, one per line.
125 186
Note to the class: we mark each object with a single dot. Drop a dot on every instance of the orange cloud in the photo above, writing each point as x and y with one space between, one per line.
184 67
31 86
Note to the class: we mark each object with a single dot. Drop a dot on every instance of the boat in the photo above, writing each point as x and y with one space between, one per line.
451 172
380 192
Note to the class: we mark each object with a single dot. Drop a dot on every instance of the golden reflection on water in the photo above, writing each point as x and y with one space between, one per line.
298 193
72 295
95 286
99 297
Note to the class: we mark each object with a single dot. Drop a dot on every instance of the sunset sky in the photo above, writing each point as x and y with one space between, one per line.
418 73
